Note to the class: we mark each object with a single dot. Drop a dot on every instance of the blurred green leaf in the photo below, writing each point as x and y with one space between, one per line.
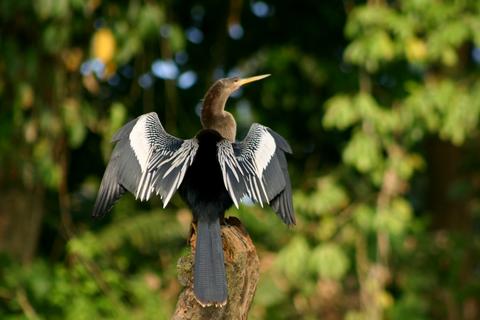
268 293
363 152
328 197
340 113
396 218
371 50
329 261
52 8
364 217
74 123
292 260
177 38
151 17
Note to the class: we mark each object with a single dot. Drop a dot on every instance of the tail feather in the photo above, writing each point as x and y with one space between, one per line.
210 285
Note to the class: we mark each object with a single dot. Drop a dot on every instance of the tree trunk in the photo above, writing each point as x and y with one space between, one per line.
242 267
21 213
444 169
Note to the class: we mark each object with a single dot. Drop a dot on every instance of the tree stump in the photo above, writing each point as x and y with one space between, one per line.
242 268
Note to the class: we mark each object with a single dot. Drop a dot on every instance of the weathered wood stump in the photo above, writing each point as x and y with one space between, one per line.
242 267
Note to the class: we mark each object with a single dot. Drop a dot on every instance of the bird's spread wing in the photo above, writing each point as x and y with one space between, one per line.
257 168
146 159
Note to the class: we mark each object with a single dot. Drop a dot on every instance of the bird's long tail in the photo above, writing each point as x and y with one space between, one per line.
210 285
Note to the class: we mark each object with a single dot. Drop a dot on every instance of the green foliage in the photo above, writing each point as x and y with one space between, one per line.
444 107
394 219
327 197
340 113
292 260
363 152
329 261
98 283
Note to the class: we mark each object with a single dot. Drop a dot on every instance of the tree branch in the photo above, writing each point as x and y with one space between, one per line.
242 266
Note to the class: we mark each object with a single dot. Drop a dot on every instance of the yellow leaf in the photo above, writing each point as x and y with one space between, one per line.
103 45
416 50
449 57
27 96
386 300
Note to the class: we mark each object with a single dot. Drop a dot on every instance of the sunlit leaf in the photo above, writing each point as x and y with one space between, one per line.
328 197
103 45
371 50
416 50
340 113
363 152
364 217
395 218
329 261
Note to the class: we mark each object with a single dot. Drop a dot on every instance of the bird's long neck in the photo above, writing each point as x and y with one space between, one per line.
214 115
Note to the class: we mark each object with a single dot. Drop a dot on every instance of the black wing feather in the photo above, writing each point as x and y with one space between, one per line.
282 203
260 164
143 153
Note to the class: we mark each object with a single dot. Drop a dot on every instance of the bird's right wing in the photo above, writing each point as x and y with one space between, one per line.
146 159
257 168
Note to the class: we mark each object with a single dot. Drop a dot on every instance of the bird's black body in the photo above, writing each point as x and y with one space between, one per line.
211 171
205 193
203 183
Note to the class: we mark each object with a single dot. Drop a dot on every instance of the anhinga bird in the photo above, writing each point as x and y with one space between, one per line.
211 172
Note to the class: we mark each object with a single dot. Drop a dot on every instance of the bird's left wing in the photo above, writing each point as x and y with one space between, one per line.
146 159
257 168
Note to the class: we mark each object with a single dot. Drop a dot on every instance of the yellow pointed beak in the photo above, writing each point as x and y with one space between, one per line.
242 82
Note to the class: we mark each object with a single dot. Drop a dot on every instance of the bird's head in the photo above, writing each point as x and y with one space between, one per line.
213 114
229 85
